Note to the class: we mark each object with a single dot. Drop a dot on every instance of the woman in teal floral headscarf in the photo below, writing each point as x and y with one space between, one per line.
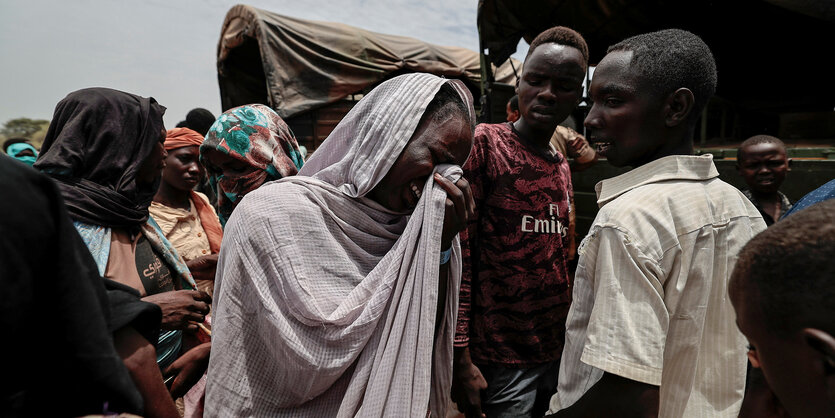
246 147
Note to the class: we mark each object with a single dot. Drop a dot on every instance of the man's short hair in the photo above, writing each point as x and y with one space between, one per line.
514 102
563 36
791 266
671 59
200 120
759 139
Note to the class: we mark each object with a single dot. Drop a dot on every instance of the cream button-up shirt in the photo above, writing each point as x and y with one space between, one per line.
650 301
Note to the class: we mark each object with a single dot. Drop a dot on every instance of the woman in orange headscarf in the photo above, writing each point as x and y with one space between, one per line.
184 215
191 225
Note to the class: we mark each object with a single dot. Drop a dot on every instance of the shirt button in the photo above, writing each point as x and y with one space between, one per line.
204 251
199 234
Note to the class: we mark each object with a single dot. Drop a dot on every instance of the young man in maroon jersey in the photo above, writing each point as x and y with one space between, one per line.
515 287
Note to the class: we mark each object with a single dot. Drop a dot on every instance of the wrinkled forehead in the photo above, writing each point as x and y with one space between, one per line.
453 134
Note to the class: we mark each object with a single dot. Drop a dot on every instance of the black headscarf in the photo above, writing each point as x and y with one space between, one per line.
95 145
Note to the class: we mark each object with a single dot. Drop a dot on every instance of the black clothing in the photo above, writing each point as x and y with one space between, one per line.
56 315
96 143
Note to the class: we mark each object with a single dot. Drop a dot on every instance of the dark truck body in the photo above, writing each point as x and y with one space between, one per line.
772 60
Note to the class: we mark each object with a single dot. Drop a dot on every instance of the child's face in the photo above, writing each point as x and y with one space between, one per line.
550 86
763 166
625 122
790 365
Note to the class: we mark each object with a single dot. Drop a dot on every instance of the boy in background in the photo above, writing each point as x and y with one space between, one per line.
783 292
762 162
515 283
573 145
651 331
512 109
21 149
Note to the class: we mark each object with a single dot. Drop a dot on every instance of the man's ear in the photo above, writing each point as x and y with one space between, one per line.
823 345
789 164
678 107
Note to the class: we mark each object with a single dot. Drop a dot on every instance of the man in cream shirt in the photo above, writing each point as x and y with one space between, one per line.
651 330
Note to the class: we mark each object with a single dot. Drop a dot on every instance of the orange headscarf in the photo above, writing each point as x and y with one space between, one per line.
185 137
182 137
210 222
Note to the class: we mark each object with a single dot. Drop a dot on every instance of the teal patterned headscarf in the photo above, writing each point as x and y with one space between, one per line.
256 135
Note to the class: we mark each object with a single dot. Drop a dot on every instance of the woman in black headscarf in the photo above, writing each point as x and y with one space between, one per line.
105 150
97 147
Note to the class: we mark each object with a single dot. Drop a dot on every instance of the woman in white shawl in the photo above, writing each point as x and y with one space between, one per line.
337 289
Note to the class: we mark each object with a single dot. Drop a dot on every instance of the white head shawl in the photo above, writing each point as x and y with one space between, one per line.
325 301
364 145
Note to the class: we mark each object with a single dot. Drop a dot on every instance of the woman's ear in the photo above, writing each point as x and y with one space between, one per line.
678 107
823 345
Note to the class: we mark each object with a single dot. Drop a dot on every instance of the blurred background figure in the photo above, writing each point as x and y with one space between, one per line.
762 162
513 109
200 120
21 149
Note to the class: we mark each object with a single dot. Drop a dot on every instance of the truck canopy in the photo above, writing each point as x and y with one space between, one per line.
295 65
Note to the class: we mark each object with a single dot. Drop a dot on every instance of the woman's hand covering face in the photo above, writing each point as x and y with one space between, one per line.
459 208
443 138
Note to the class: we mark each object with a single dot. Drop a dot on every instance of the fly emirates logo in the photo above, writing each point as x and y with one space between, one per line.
550 225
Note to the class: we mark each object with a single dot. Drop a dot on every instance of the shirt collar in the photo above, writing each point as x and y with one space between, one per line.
673 167
785 203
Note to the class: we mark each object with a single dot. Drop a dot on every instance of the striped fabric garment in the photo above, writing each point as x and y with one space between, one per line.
650 300
325 300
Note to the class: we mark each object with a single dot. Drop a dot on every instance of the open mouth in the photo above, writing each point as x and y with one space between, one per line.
416 192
